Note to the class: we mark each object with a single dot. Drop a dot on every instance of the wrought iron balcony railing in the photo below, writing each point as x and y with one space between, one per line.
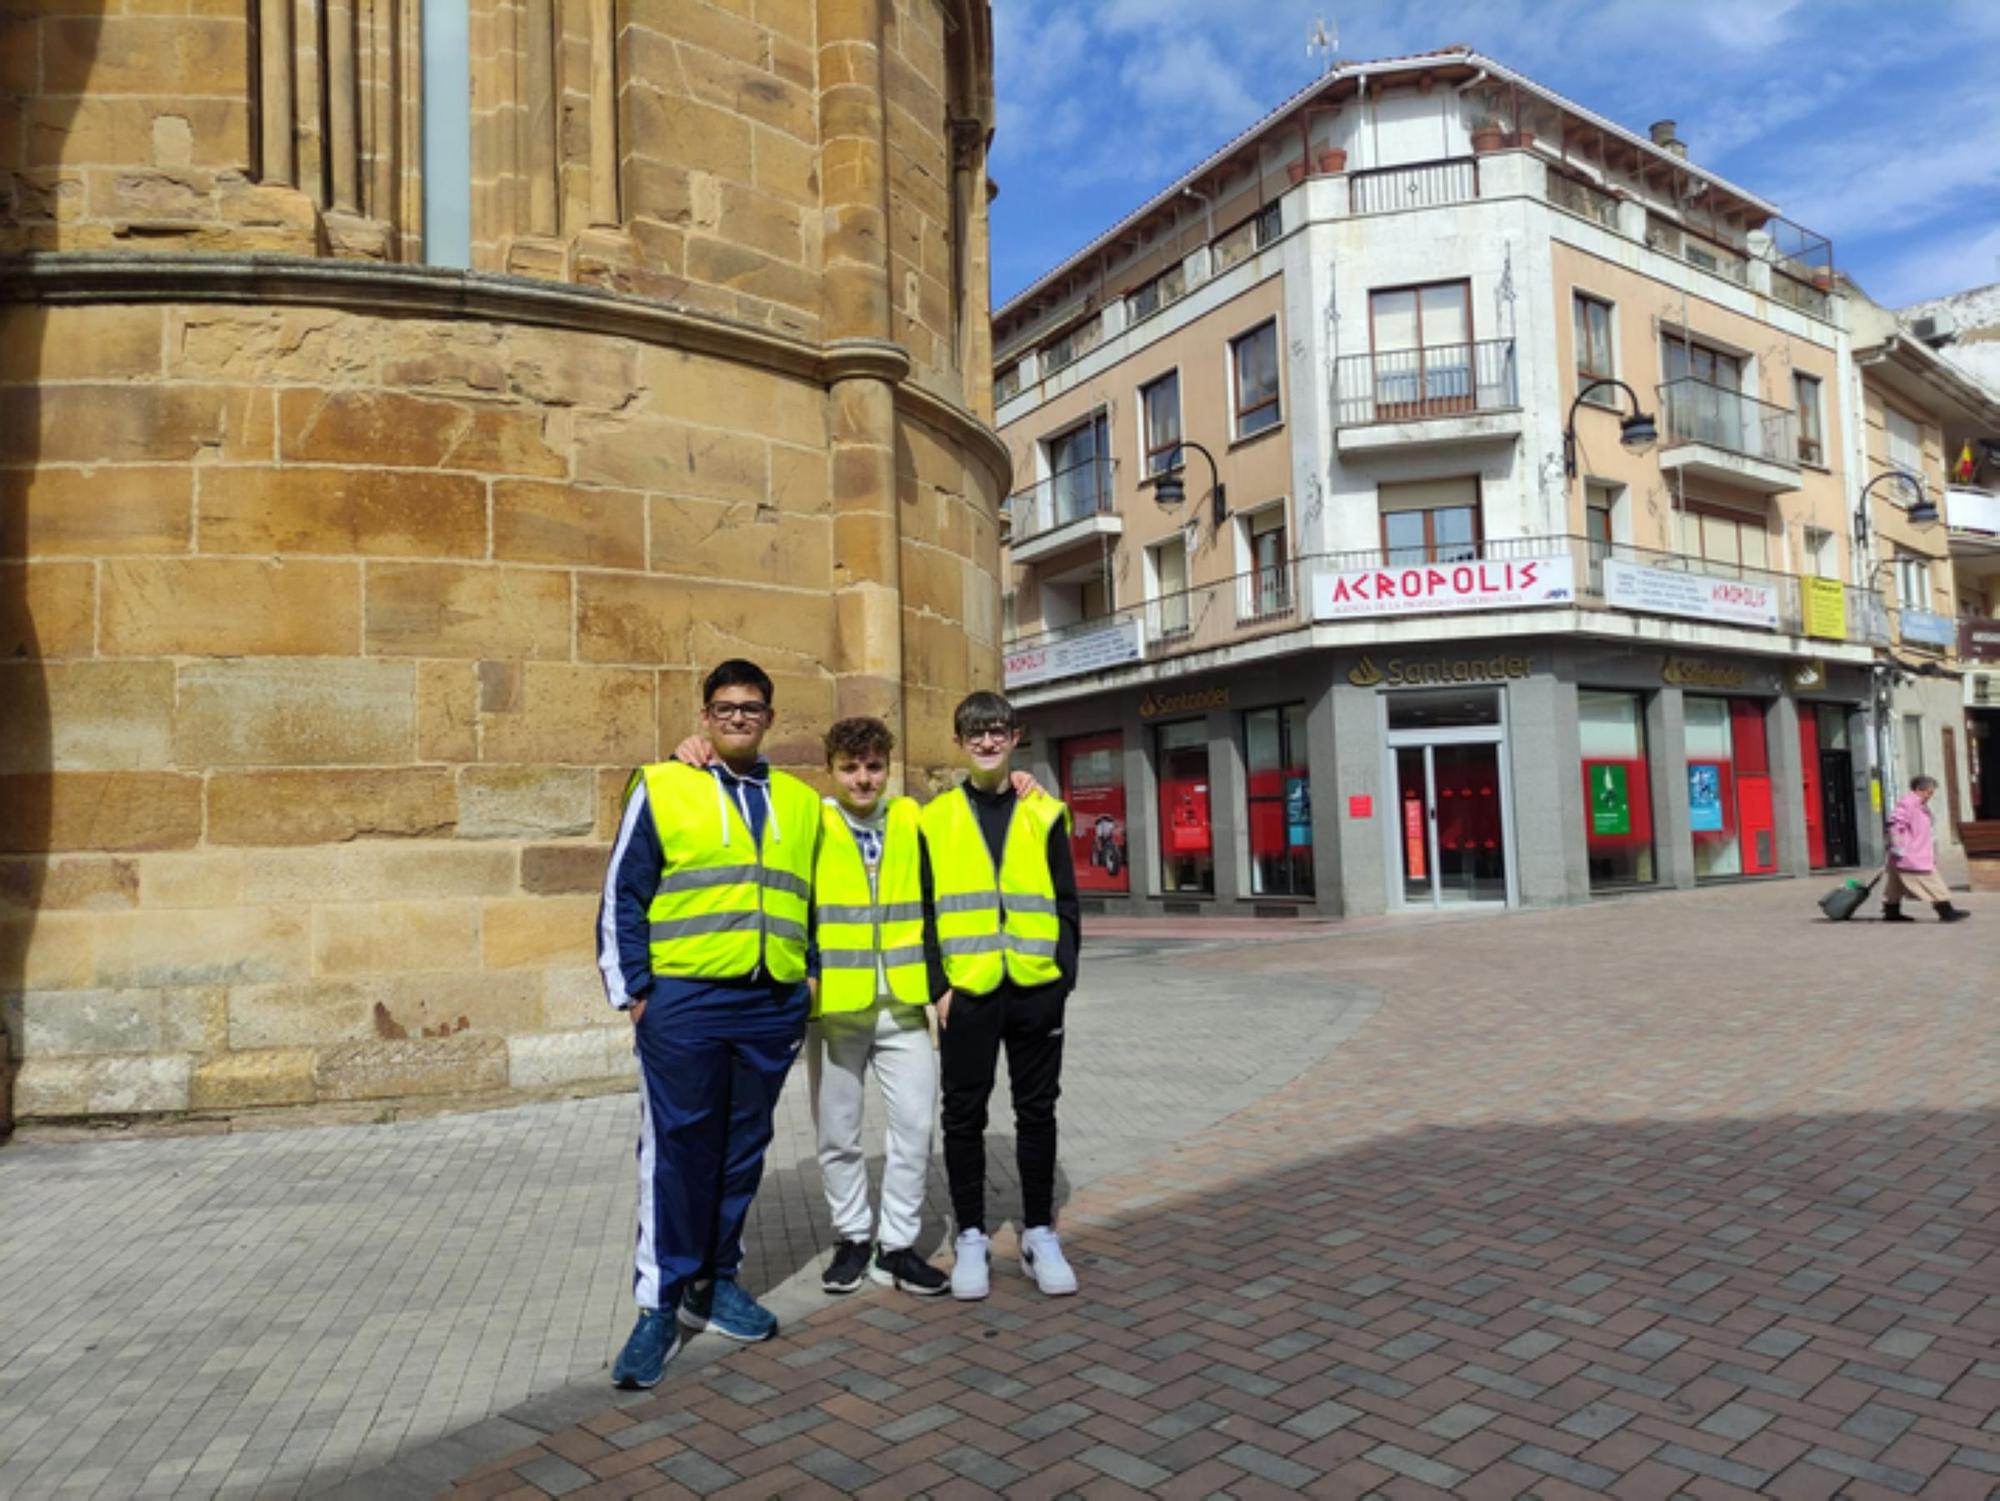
1445 380
1068 495
1696 411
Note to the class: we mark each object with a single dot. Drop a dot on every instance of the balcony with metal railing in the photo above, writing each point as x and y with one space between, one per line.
1602 581
1394 190
1445 393
1065 508
1716 432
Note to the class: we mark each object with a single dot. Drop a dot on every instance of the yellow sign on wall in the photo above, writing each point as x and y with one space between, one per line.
1826 609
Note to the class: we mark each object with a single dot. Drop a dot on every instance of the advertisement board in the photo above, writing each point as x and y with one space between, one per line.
1826 608
1438 588
1093 784
1110 645
1694 596
1927 629
1979 640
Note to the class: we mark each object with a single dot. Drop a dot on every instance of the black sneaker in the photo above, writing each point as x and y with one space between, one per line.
908 1272
850 1265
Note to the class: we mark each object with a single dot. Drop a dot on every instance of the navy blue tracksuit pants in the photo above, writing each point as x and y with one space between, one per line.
705 1121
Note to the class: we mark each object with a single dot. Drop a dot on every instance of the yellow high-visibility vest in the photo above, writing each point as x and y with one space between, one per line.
992 923
728 904
866 938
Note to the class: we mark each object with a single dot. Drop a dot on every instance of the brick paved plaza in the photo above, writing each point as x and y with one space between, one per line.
1680 1195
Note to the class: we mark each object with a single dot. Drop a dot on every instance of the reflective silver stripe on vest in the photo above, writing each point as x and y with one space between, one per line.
832 913
971 901
1018 902
784 927
784 880
1038 948
902 912
701 880
846 958
986 943
708 922
898 958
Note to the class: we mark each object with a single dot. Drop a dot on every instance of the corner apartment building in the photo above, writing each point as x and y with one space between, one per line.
1431 633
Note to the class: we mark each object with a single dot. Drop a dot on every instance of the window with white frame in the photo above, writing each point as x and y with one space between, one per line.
1253 366
1267 578
1149 297
1079 472
1166 586
1812 429
1906 442
1913 582
1913 746
1600 527
1594 358
1160 412
1822 558
1725 537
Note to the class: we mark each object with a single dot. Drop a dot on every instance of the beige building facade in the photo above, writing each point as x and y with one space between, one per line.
366 513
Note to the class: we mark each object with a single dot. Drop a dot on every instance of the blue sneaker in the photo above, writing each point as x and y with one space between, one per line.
652 1343
724 1308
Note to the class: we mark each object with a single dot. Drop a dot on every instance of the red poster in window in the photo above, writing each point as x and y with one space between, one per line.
1093 784
1184 802
1415 849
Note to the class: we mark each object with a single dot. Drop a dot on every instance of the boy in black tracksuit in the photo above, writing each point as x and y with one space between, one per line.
1026 1020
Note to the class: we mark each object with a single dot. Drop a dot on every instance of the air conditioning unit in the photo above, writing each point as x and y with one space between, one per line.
1934 327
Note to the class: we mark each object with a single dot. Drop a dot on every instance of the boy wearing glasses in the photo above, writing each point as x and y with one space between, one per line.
702 941
1009 928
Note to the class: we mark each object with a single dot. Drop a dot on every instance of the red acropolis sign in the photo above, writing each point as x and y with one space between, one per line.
1431 588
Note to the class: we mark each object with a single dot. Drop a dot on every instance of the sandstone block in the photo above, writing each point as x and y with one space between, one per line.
543 523
934 581
143 55
800 481
746 89
650 453
764 222
441 610
628 619
935 653
569 1057
106 341
320 807
385 1007
740 542
374 937
307 346
574 715
290 713
366 427
551 367
417 1066
787 168
48 512
537 931
71 1088
573 996
191 880
611 785
86 716
230 607
378 870
447 712
864 547
370 511
783 629
664 116
47 610
125 424
546 869
31 882
749 271
507 440
96 1022
269 1076
82 810
525 802
49 951
229 946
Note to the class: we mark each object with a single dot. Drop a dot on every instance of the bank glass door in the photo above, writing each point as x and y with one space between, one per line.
1453 817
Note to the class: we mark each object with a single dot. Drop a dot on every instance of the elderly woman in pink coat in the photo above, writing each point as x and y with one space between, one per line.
1913 857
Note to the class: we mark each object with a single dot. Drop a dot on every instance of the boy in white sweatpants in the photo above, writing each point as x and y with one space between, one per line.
875 969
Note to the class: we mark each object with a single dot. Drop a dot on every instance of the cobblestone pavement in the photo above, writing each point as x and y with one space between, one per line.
1686 1195
265 1314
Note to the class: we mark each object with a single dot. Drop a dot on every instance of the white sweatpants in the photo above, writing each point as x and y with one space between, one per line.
839 1050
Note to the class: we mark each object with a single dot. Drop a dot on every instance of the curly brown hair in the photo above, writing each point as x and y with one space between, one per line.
858 738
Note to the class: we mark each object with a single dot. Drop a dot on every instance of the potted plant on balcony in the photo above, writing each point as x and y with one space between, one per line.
1333 160
1296 170
1488 134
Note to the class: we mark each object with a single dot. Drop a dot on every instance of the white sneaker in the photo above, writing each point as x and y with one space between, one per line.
970 1278
1042 1258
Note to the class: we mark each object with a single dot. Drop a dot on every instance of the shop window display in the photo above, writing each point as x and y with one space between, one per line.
1093 784
1280 798
1617 789
1187 843
1730 814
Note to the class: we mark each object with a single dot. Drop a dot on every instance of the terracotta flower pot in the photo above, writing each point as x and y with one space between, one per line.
1333 160
1488 138
1296 170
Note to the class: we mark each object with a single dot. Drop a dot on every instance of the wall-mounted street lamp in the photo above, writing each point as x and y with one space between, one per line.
1923 510
1637 432
1170 489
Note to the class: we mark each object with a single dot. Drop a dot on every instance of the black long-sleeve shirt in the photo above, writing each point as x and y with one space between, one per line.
995 812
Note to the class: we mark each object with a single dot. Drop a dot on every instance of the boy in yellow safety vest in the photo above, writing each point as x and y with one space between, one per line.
702 942
876 968
1008 926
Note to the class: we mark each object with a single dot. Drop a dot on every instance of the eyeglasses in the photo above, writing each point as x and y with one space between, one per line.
991 732
736 713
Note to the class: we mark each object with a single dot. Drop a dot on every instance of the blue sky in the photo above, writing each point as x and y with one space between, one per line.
1876 124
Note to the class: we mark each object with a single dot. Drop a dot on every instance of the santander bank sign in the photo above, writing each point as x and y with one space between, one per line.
1437 588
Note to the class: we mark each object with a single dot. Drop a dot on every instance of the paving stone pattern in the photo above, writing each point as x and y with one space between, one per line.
267 1314
1688 1195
